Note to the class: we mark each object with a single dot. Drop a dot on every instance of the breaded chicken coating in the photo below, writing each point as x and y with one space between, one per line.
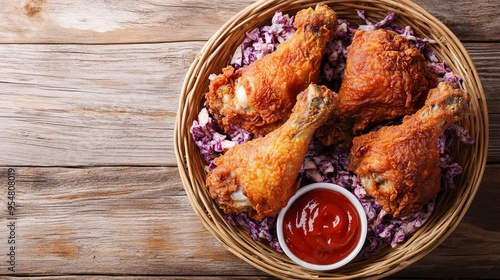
259 97
260 176
384 78
398 165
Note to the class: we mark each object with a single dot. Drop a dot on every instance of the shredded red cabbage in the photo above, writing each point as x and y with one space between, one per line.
210 141
329 164
262 40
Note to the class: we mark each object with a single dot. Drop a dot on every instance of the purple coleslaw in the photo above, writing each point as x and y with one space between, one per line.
329 164
262 40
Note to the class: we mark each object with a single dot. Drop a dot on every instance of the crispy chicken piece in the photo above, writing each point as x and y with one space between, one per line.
384 78
259 176
260 97
398 165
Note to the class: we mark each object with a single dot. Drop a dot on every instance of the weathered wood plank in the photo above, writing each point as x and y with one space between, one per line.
108 221
469 20
111 220
97 105
96 22
106 22
486 59
494 147
75 105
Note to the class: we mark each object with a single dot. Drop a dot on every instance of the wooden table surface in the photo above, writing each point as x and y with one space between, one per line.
89 92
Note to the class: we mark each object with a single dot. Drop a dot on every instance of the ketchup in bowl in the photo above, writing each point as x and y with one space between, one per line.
323 226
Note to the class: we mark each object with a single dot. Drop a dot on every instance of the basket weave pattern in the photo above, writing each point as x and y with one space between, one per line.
451 206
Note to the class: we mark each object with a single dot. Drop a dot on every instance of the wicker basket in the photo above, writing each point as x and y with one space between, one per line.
451 206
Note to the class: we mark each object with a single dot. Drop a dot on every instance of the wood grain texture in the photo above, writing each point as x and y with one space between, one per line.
470 20
486 59
107 220
73 105
117 22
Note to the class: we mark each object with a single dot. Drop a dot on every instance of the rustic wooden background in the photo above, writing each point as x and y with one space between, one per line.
88 98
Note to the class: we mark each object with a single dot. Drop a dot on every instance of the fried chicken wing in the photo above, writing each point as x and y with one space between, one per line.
260 97
384 78
259 176
398 165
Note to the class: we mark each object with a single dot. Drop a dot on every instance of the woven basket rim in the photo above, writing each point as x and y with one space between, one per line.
435 231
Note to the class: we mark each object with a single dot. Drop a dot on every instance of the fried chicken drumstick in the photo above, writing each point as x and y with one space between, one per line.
398 165
259 176
384 78
260 97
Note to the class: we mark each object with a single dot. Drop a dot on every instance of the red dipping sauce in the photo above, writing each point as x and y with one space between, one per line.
322 227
